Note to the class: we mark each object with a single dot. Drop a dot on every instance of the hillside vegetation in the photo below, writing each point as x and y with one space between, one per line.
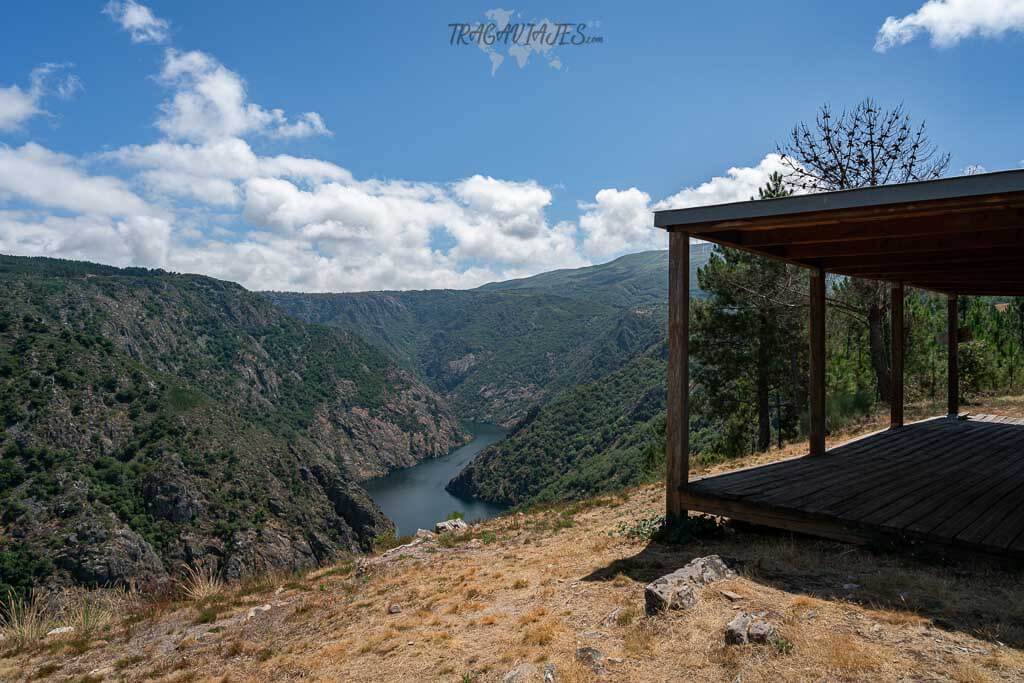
152 421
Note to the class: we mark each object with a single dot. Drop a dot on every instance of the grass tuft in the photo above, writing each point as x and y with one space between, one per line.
201 583
23 619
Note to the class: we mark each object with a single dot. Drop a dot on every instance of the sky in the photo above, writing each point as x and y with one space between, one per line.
362 146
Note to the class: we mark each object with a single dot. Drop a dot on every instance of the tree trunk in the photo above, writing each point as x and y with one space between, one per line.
879 357
764 427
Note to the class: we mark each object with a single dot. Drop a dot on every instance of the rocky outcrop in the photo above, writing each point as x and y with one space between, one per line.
168 493
104 553
450 526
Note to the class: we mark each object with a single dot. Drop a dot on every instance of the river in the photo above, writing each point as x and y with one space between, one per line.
414 497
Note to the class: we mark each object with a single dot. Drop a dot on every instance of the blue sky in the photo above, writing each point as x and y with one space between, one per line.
147 134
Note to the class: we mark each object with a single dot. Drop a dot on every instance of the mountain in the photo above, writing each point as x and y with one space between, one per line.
632 280
493 355
150 420
499 351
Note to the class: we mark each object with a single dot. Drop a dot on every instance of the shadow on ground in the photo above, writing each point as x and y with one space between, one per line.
977 595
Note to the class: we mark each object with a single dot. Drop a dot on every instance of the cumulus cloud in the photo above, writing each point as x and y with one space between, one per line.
138 20
950 21
210 102
617 221
622 220
37 175
739 184
17 105
131 241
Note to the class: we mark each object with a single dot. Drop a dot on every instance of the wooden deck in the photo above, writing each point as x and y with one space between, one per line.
938 482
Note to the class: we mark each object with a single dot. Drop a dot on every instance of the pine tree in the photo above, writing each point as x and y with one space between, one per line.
740 373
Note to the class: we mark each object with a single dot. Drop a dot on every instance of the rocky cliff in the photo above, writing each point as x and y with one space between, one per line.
151 420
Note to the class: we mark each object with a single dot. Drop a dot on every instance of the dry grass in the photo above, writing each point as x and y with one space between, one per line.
24 620
544 587
199 583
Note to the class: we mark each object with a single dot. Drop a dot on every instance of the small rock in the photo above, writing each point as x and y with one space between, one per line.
549 673
60 630
749 628
736 630
761 632
394 609
102 671
612 617
733 597
253 611
592 658
851 586
425 533
524 673
450 525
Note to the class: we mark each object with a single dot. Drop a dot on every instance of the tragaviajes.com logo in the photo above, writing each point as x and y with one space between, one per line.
499 37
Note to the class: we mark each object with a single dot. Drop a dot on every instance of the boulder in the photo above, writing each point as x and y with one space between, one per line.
424 534
549 673
450 525
676 590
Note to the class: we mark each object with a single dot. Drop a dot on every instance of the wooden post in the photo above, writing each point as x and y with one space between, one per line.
677 446
952 339
896 407
817 378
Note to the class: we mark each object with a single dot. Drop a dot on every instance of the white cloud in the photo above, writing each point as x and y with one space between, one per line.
133 241
737 185
140 22
950 21
34 174
618 221
210 102
18 105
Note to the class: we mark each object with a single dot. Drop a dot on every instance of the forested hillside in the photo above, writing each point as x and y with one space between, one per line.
596 436
501 350
151 420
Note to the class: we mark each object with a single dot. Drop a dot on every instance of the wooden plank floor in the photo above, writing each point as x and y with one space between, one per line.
943 482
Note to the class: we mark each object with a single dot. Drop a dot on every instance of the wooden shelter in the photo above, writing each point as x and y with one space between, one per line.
954 236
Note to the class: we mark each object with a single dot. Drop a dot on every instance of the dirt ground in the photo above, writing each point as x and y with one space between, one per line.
533 588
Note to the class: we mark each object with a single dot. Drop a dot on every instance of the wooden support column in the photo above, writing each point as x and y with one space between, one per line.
952 340
817 360
677 456
896 407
